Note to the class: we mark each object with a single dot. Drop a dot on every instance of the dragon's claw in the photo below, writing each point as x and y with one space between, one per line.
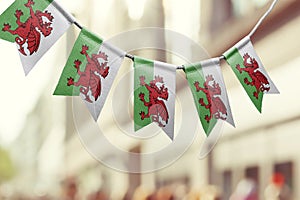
77 64
29 3
207 118
246 56
70 81
6 27
142 96
248 82
142 114
18 13
201 101
196 84
159 79
255 94
84 50
209 78
238 67
142 80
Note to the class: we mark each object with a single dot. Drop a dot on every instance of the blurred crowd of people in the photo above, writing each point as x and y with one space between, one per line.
176 192
277 189
70 191
246 189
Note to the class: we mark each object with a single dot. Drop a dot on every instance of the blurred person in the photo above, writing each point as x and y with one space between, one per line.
44 197
245 190
140 194
277 189
164 193
98 195
180 190
151 196
192 195
126 196
209 192
70 189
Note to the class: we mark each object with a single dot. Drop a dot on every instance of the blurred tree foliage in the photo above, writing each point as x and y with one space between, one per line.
7 170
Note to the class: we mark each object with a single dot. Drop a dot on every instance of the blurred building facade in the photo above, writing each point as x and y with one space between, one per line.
260 145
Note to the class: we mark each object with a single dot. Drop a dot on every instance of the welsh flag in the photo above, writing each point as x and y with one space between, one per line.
90 71
249 70
34 25
210 95
154 94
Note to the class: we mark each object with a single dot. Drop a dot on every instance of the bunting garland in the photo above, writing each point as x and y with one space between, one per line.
35 25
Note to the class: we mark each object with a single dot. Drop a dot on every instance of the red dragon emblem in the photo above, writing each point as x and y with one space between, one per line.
215 104
90 79
157 109
259 80
30 31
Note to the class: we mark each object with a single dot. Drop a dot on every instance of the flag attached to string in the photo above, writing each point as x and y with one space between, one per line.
90 71
210 95
249 70
154 94
34 25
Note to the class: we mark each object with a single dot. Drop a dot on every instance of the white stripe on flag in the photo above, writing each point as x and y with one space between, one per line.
245 46
212 67
61 22
168 72
115 59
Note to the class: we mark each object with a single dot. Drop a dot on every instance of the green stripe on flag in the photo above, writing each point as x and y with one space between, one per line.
234 58
85 38
8 16
142 67
195 74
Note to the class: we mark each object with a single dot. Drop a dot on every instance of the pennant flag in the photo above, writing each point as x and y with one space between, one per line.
90 71
154 94
210 95
34 25
249 70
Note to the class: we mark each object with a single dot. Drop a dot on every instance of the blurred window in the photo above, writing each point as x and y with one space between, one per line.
252 173
134 178
244 7
182 179
286 169
221 12
227 184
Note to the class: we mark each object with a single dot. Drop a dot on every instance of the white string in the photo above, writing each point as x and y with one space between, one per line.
263 18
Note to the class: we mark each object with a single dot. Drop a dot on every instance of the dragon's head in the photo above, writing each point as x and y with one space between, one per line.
45 20
252 62
159 87
208 81
212 86
101 58
158 80
164 94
